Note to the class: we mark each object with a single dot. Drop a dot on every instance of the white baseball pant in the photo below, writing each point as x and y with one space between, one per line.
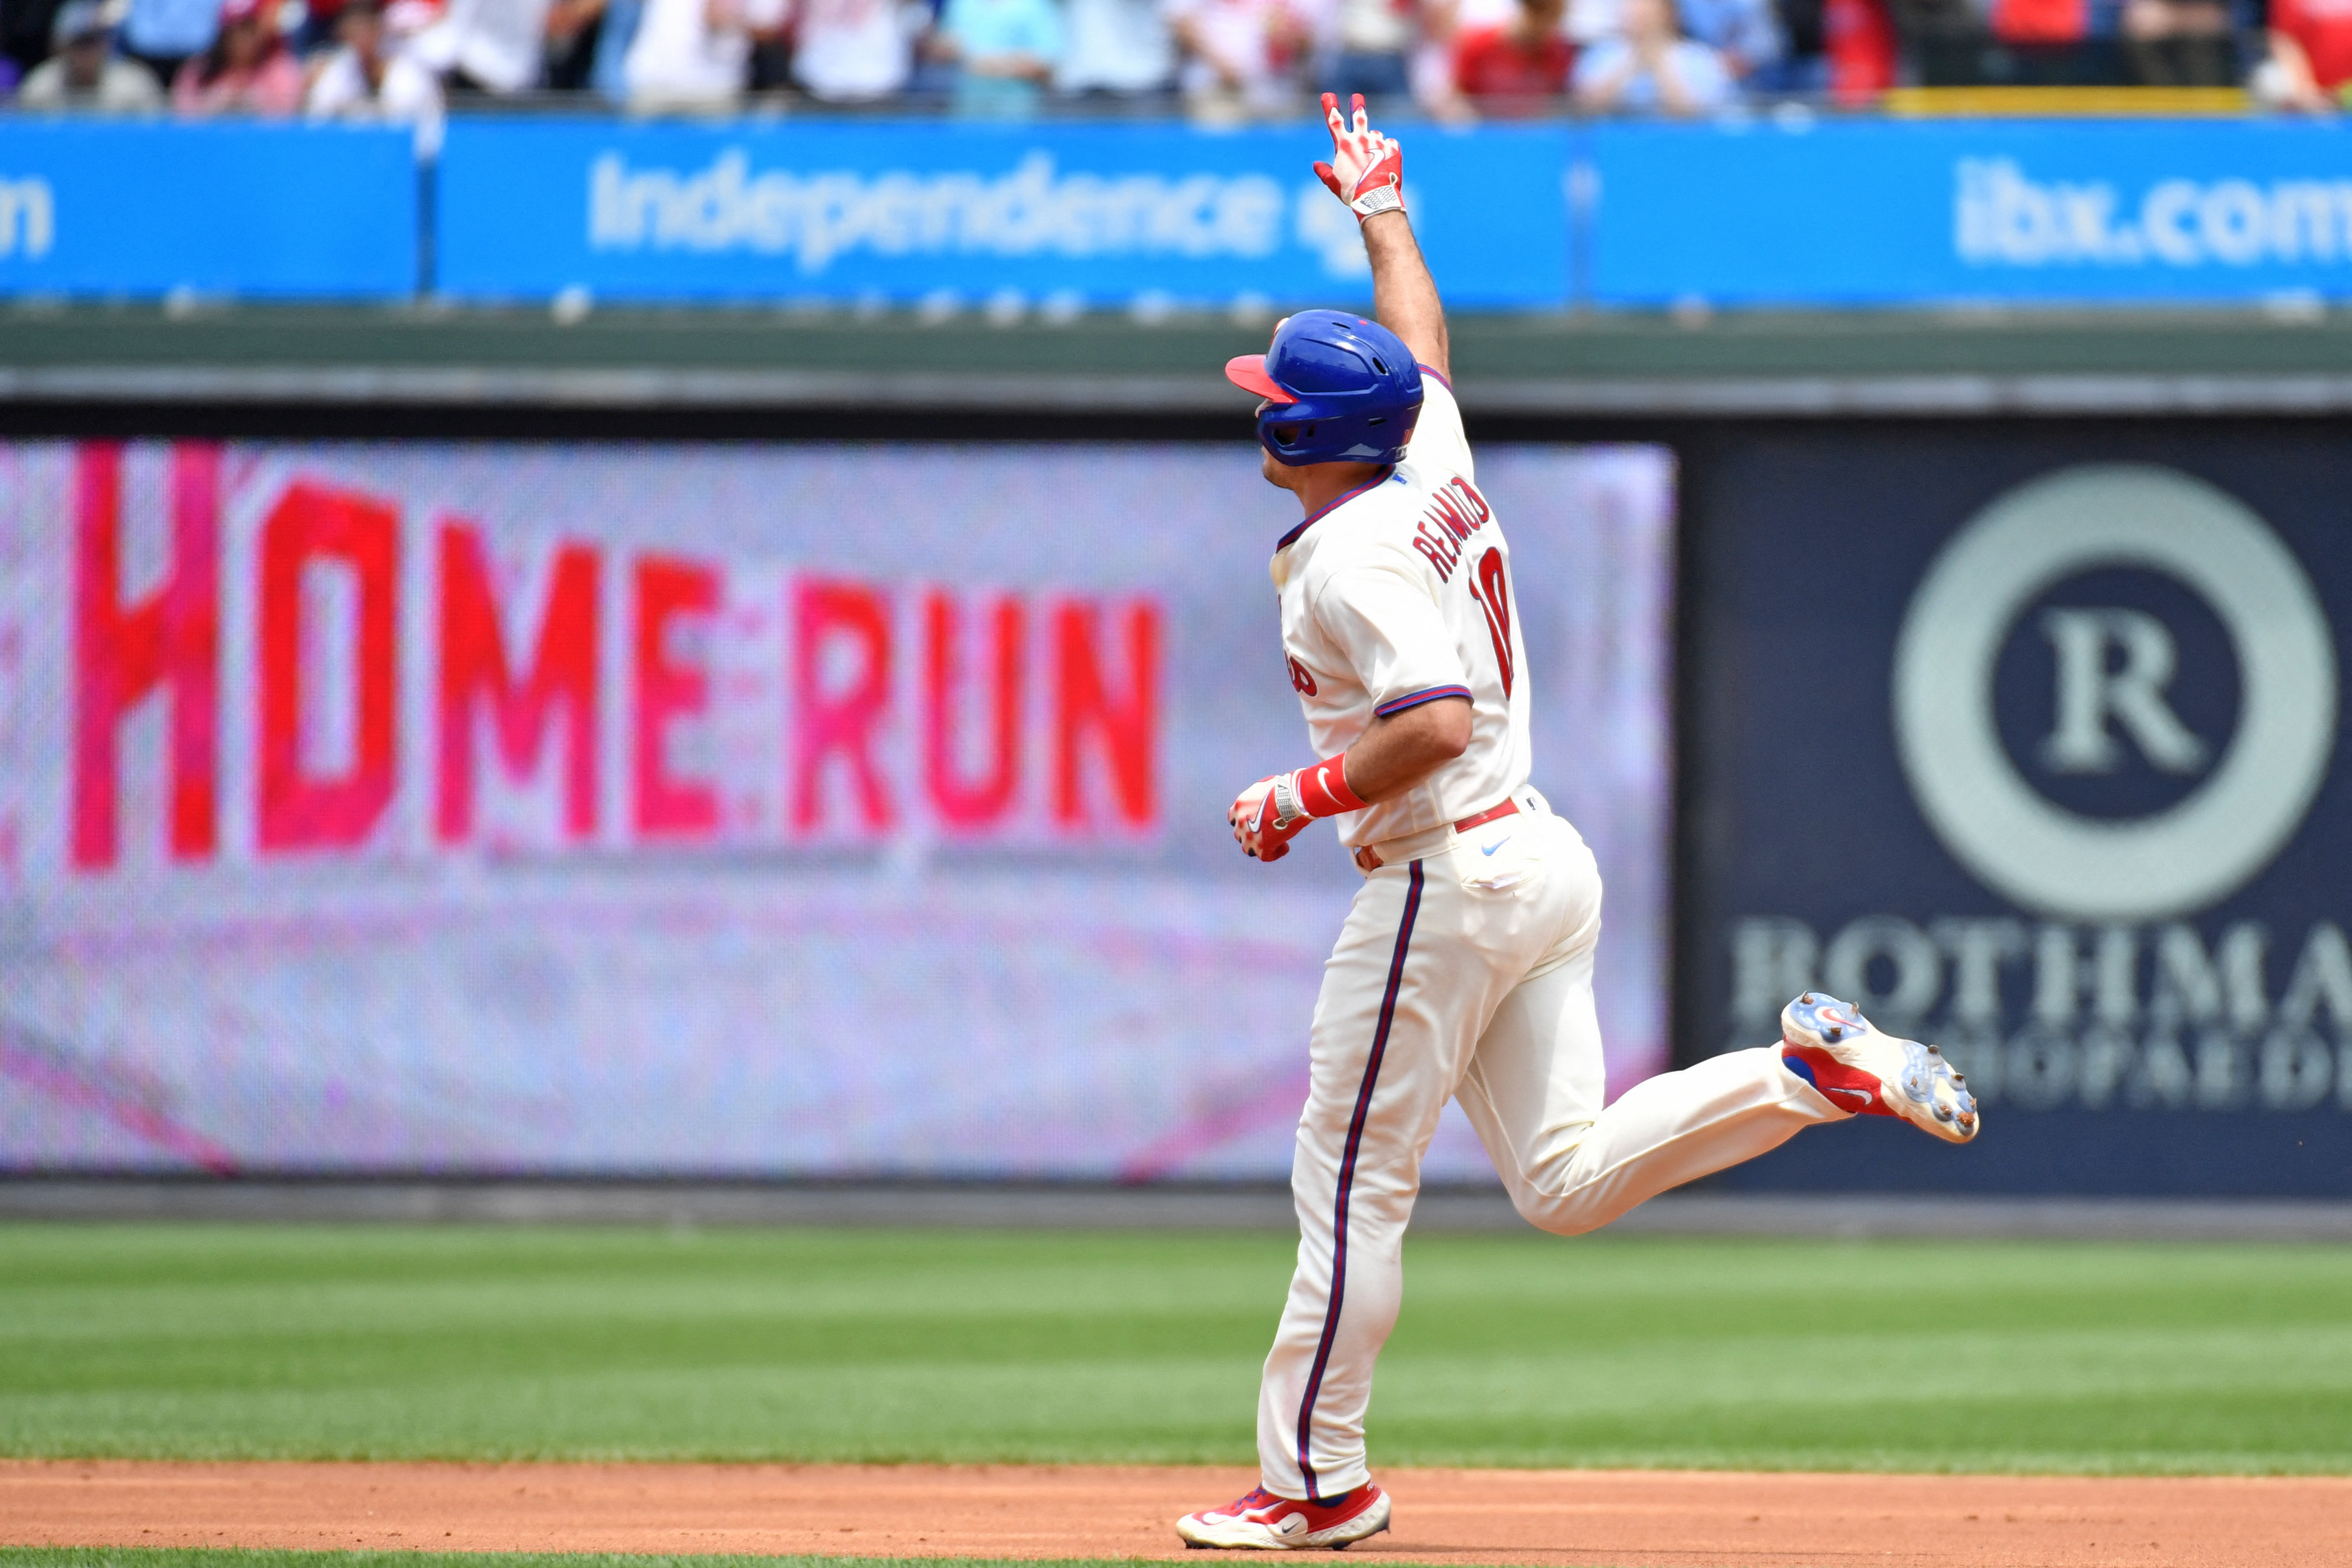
1469 974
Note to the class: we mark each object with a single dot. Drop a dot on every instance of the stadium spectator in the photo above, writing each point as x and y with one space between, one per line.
494 46
1801 28
1589 20
24 29
1515 68
608 64
931 74
368 77
1444 24
2310 59
315 34
2052 43
771 53
1242 55
1376 39
2180 43
1650 67
1119 47
163 34
1004 52
1744 33
2040 21
853 51
695 53
1860 49
85 72
572 33
248 70
1961 43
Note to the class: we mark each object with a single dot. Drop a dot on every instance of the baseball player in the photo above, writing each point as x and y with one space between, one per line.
1465 970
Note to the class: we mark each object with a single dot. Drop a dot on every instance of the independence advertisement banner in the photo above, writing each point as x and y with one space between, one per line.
1889 211
784 810
219 209
2030 743
1047 214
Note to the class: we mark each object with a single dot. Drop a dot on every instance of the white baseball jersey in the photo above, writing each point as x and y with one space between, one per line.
1463 974
1400 593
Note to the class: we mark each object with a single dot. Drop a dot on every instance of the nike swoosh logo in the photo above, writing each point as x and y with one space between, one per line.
1490 849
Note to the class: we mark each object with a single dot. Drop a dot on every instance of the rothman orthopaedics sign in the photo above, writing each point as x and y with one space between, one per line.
2052 774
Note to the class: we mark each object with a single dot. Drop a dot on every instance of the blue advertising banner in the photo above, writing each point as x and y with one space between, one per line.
1093 215
2029 741
92 207
1848 213
1890 212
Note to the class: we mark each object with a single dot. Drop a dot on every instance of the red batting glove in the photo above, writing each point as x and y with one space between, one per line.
1367 169
1262 834
1271 813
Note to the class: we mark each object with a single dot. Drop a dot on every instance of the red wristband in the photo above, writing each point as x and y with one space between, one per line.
1323 788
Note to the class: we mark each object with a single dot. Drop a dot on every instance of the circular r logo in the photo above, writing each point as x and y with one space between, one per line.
2113 666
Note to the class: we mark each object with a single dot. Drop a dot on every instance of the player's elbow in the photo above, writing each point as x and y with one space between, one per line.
1446 727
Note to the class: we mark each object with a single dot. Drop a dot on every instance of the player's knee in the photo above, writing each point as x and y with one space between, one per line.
1561 1213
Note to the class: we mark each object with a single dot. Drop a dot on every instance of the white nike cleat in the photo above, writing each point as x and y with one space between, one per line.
1262 1522
1833 1047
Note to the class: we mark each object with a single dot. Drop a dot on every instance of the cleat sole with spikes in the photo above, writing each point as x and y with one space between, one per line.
1857 1066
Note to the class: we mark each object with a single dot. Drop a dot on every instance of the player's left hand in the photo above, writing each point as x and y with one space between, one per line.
1261 834
1367 169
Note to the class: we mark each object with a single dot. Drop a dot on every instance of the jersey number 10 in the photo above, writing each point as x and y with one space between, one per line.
1492 589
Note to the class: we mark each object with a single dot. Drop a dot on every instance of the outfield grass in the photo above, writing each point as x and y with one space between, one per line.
231 1341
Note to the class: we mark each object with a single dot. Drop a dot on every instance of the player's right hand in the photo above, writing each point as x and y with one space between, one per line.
1263 835
1367 169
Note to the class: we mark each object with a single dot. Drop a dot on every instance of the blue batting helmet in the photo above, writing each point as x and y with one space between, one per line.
1337 388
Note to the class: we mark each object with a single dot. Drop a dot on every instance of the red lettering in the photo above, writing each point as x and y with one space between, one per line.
958 803
667 593
1429 547
1128 728
839 722
121 653
310 525
1493 592
1448 515
1484 513
474 669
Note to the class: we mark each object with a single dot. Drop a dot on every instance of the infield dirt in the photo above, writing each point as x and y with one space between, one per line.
1530 1517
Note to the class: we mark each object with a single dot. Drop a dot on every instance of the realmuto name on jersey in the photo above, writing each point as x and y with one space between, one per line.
1456 511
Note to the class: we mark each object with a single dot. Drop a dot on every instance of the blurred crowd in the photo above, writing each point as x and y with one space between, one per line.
1217 60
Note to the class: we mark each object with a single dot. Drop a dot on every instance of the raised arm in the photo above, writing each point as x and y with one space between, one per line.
1404 297
1367 172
